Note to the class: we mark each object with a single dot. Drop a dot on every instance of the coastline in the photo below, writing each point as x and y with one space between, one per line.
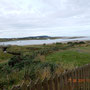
36 38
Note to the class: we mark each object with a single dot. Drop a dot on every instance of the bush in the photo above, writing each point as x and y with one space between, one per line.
81 42
70 43
14 60
58 43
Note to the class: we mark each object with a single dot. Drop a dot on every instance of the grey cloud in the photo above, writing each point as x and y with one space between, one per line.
37 17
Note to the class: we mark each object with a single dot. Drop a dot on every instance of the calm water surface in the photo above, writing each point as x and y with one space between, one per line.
37 42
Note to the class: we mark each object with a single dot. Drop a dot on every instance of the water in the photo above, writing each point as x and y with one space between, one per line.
39 42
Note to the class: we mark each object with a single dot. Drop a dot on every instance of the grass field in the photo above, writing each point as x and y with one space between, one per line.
4 57
74 57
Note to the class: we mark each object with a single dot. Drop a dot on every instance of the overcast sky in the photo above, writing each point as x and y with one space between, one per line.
20 18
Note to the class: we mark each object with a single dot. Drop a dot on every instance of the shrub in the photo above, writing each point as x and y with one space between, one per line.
58 43
81 42
14 60
70 43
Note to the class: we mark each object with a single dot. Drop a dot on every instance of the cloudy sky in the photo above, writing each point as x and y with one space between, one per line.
20 18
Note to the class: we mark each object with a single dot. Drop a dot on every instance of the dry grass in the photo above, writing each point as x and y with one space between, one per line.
40 58
3 61
44 73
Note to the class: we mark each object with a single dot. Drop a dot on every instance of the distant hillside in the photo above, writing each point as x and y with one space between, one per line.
29 37
36 38
25 38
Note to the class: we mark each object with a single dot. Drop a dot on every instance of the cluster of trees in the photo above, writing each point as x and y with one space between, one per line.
76 43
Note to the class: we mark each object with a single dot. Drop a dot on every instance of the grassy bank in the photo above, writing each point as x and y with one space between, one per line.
25 63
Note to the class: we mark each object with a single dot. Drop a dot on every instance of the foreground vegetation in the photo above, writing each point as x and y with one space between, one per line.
20 64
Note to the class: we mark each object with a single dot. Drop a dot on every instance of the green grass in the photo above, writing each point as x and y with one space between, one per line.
4 57
77 58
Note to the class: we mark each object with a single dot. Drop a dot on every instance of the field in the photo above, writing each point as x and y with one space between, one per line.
20 64
74 56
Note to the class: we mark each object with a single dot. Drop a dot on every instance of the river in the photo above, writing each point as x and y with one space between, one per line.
39 42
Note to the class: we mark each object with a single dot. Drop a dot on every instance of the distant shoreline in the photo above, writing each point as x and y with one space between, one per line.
37 38
41 41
